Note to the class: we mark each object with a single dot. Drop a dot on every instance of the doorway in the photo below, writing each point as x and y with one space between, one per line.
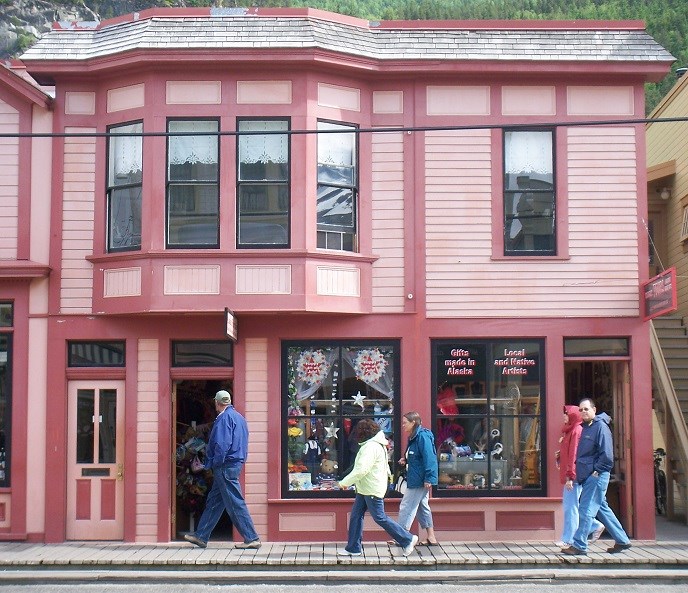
607 383
194 415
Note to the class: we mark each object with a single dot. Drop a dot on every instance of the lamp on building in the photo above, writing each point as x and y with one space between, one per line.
664 193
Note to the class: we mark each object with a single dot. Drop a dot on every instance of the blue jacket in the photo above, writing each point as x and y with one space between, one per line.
228 441
421 459
595 448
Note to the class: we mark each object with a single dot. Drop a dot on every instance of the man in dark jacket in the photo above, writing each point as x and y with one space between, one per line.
594 462
225 455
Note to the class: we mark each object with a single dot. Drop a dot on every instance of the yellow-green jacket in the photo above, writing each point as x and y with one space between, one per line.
371 472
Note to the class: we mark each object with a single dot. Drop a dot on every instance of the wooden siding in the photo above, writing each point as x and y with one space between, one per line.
388 289
667 142
193 279
263 279
9 182
122 282
461 278
78 190
256 406
147 486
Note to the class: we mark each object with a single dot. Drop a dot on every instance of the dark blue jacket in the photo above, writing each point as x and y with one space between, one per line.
228 441
595 448
421 459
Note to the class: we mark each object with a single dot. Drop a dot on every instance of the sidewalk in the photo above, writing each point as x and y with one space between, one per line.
664 559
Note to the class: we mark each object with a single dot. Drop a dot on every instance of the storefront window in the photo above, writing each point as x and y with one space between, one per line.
330 387
489 398
6 314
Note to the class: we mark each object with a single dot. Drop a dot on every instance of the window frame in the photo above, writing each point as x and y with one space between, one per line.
541 415
96 343
277 183
354 187
173 354
190 182
111 188
394 417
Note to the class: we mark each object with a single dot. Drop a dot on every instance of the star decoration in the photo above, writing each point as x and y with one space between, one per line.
331 431
358 400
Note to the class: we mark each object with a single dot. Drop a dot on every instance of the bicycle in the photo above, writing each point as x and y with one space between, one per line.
660 482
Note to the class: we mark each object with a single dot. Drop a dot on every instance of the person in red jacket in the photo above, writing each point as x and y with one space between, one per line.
566 463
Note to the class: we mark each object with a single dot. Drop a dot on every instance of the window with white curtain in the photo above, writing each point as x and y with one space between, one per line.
529 196
337 186
263 187
193 184
125 174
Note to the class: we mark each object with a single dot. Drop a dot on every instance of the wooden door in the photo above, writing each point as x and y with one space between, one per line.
95 460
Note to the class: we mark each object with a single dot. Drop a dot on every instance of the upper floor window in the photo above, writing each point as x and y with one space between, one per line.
337 186
529 199
125 174
192 184
263 184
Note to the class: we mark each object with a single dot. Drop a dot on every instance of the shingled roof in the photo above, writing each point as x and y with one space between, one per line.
237 29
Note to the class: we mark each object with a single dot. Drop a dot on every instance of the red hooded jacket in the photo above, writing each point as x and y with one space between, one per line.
570 435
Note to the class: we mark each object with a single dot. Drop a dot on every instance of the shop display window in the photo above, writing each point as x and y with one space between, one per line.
487 419
329 388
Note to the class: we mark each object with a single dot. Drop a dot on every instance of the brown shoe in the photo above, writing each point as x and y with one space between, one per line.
254 545
196 541
574 551
616 548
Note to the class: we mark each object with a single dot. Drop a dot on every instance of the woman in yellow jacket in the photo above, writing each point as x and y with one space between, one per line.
370 476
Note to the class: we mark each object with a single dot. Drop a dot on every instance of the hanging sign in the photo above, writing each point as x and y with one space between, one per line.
659 294
230 324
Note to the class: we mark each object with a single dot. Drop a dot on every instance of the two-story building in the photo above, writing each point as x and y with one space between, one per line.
382 217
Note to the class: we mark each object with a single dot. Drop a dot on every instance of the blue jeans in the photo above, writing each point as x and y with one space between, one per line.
593 502
415 501
226 495
376 507
570 502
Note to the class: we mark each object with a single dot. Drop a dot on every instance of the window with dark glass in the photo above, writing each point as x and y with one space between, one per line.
96 442
6 320
125 175
488 411
213 353
529 197
95 354
263 191
329 388
193 183
596 347
337 186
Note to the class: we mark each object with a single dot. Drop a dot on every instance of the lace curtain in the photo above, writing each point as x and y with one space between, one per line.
263 148
312 368
126 152
193 149
528 152
336 149
372 367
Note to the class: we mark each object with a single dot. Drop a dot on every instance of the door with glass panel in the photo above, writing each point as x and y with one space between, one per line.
95 460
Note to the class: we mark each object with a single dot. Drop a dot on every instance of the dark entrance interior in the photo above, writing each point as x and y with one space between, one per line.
195 413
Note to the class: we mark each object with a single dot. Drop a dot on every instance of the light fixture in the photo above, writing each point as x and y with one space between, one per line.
664 193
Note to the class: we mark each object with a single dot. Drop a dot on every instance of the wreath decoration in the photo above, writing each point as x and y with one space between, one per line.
312 367
370 365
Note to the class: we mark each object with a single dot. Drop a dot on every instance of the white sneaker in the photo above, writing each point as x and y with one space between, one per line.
408 549
597 534
347 553
561 544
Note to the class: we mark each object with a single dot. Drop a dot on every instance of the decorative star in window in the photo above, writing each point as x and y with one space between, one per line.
331 431
358 400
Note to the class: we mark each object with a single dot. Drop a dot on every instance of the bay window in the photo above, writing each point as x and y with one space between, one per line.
193 184
337 186
263 186
125 174
529 197
488 411
330 387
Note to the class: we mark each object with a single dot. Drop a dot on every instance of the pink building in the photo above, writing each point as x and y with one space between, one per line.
397 216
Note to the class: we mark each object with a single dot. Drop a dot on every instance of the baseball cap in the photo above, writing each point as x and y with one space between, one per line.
223 397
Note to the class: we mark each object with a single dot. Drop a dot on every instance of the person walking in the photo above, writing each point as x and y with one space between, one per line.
370 475
420 461
566 464
594 462
226 453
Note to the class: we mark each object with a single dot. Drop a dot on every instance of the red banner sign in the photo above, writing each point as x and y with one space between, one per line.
659 294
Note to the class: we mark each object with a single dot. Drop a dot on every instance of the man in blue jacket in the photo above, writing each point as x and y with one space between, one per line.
226 453
594 462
